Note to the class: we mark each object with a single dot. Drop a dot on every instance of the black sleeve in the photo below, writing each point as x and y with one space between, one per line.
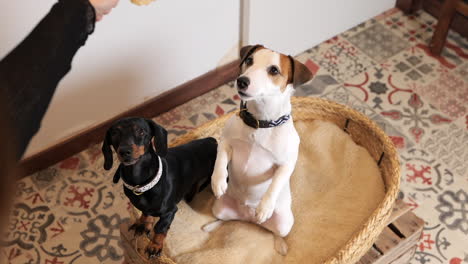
30 73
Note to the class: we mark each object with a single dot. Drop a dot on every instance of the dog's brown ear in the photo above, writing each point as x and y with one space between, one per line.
107 151
160 137
300 73
246 51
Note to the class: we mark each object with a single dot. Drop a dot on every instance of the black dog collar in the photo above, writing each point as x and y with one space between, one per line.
250 120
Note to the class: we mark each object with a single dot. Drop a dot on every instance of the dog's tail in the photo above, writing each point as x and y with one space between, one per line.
211 226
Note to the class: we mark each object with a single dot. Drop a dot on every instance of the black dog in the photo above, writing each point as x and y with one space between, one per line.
155 180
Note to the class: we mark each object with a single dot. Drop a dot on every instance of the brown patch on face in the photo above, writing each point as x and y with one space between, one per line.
244 66
137 151
283 79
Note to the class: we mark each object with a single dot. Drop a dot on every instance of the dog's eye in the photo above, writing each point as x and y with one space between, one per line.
114 133
249 61
273 70
140 132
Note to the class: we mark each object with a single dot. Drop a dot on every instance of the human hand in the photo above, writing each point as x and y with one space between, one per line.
103 7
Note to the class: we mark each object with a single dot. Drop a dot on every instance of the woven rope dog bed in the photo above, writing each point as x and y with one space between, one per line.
363 132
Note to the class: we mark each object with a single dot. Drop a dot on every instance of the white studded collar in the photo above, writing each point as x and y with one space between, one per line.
139 190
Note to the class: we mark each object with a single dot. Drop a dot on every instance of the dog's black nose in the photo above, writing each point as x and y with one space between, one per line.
125 152
242 82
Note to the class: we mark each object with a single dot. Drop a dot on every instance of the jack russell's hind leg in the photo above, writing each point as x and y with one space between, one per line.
280 224
224 209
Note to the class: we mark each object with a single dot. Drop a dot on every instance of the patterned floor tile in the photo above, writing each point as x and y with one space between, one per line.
379 88
378 42
35 233
436 193
344 96
341 59
396 101
322 79
437 244
423 177
415 28
87 207
450 145
418 118
462 122
448 93
418 29
462 71
195 105
456 49
359 28
414 66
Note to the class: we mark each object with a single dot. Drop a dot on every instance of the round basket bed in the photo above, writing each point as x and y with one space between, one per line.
343 190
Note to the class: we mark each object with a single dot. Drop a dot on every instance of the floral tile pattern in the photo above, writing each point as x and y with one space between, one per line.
378 42
415 28
449 93
70 212
451 146
340 58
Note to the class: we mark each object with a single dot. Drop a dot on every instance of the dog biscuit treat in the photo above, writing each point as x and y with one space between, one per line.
142 2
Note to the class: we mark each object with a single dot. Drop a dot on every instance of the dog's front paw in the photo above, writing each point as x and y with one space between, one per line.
219 185
139 229
264 210
153 250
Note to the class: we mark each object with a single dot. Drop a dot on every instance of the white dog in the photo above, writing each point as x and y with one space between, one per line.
259 147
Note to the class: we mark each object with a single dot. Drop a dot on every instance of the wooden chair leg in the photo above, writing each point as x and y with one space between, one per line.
443 24
409 6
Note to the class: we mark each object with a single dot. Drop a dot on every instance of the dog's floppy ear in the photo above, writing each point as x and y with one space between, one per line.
117 174
246 51
160 137
107 151
300 73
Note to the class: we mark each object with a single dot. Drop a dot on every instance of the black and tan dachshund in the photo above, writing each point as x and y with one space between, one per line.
157 179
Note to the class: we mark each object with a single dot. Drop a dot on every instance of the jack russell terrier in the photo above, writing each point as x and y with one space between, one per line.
259 147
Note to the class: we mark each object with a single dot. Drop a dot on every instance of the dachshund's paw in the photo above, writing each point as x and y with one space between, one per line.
139 229
153 250
219 184
264 210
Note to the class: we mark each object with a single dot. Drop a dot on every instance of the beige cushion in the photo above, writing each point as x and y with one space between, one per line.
335 188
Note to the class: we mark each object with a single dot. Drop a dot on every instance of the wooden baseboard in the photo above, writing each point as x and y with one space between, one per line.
151 108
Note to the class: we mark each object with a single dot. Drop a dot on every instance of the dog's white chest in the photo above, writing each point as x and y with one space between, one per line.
256 154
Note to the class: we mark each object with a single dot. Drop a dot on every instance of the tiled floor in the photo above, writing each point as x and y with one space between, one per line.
70 212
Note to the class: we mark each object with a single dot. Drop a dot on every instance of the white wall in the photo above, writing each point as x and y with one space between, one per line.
139 52
134 54
293 26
